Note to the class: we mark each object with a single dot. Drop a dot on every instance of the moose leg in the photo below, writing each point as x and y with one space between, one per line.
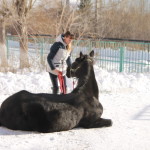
100 122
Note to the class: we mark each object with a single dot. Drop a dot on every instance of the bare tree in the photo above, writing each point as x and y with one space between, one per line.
22 9
114 18
65 17
4 15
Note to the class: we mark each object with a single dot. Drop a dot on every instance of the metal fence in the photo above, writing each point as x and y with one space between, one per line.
114 56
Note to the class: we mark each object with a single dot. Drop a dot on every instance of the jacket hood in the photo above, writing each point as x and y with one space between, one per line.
60 39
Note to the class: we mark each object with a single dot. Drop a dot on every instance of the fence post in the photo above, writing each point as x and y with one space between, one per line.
121 67
7 47
42 49
90 47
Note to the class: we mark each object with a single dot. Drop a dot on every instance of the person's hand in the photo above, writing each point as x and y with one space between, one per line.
57 71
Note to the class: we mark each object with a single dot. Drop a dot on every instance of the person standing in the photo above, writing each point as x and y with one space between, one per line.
59 58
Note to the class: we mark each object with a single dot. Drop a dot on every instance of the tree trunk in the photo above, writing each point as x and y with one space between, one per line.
3 49
24 60
21 7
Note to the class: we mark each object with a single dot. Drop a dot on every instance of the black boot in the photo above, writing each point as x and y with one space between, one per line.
55 90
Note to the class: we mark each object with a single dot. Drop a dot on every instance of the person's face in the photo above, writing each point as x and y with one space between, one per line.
67 40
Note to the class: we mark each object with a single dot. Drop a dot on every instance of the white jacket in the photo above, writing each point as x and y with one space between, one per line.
59 60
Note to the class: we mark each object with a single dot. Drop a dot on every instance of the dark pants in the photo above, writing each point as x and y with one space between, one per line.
54 80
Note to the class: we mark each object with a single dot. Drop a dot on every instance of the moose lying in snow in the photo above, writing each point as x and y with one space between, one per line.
51 112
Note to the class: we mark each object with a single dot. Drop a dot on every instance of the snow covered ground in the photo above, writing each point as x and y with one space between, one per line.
125 98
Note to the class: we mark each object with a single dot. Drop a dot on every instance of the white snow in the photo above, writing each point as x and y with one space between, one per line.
125 98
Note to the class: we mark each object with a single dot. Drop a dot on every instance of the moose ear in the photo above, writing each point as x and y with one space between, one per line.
92 53
81 55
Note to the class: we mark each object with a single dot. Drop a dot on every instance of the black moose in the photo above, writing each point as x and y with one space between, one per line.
50 112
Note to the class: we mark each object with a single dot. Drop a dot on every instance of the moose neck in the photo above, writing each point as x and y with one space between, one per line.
88 85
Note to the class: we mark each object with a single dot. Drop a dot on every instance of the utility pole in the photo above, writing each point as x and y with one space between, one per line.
98 9
67 2
96 16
